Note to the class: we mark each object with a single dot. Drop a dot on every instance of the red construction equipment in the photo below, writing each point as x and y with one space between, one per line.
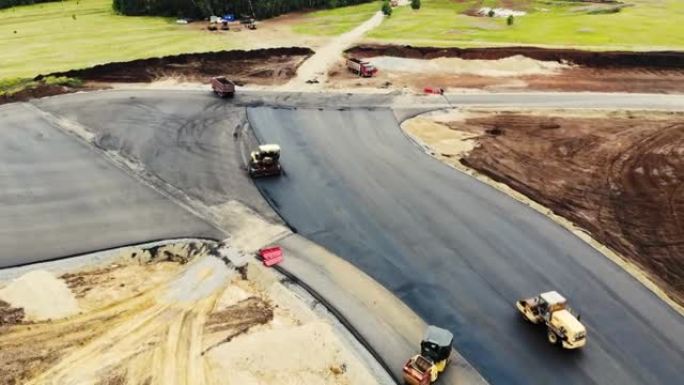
223 87
361 68
434 90
271 255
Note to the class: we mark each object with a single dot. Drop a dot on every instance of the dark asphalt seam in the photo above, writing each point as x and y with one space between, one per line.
332 309
145 178
263 192
343 320
138 243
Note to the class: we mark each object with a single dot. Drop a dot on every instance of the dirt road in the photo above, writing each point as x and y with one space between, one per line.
619 175
314 71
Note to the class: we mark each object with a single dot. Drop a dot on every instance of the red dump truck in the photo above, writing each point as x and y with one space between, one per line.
361 68
223 87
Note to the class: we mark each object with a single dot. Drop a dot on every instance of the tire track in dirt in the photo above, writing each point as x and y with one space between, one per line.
164 333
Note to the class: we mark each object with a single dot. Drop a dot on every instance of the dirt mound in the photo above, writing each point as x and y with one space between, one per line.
619 176
262 66
606 59
41 295
10 315
511 66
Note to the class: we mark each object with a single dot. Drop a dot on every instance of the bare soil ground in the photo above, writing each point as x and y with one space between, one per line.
43 90
605 59
619 175
649 72
262 66
174 316
270 66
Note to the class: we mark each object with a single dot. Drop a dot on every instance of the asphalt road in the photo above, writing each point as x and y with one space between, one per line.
460 252
455 250
58 197
185 139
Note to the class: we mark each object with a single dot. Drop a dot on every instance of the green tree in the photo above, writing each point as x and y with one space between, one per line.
386 8
510 20
198 9
415 4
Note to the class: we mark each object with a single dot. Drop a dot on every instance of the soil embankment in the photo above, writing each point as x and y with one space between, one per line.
595 59
261 66
619 175
612 71
271 66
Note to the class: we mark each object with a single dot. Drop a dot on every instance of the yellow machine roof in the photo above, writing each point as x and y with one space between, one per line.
566 319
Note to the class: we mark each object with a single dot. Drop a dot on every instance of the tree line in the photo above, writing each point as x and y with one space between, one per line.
13 3
261 9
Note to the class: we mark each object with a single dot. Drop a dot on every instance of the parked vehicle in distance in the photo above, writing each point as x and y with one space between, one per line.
223 87
249 22
361 68
265 161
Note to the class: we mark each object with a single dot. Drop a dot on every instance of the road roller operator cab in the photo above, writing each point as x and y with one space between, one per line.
435 354
265 161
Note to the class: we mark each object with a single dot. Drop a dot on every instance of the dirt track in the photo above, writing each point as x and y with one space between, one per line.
175 320
618 175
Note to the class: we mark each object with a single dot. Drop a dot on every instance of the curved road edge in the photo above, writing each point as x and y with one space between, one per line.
631 268
389 328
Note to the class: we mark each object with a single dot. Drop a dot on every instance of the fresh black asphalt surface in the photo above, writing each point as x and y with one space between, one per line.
455 250
460 253
58 197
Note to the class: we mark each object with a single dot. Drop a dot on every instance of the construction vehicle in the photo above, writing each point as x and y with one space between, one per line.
563 325
223 87
361 68
249 22
265 161
435 354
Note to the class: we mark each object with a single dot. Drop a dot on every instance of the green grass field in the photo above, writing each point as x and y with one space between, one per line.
336 21
43 38
648 25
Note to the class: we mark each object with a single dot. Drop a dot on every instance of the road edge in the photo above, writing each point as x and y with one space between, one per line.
307 261
636 272
385 325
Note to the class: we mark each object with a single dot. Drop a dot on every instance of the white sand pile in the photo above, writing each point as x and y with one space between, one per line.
307 354
511 66
41 295
500 12
444 142
248 230
202 278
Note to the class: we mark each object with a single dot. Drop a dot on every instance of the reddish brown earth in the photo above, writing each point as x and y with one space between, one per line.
596 59
261 66
40 91
568 80
616 71
272 66
620 177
